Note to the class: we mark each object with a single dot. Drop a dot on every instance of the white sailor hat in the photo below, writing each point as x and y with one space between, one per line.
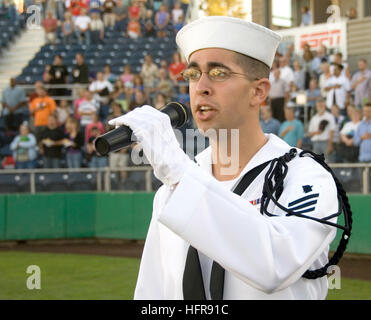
234 34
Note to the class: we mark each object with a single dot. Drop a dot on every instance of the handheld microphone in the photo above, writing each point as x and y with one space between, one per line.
120 137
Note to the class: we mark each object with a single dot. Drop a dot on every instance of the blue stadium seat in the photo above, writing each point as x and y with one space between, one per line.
135 181
12 183
351 178
52 182
84 181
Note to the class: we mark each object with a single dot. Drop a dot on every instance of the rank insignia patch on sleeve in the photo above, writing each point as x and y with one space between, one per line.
307 188
304 204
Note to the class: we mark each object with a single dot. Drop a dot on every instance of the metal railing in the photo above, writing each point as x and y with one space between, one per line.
103 176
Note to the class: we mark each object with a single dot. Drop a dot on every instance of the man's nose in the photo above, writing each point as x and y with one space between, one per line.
204 85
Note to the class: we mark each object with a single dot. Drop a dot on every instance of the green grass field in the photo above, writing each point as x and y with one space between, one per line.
72 276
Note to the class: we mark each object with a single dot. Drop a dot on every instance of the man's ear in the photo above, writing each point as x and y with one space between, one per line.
260 91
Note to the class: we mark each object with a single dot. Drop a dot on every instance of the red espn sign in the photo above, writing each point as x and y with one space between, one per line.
315 39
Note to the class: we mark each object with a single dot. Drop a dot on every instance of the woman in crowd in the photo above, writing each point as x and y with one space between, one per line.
127 76
73 142
176 67
63 112
67 28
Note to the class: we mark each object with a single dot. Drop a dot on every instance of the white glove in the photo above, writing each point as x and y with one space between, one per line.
153 131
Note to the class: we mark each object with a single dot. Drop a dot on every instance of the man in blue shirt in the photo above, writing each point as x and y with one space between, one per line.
269 124
291 130
362 136
15 107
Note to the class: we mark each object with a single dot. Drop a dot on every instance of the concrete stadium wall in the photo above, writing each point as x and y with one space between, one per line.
118 216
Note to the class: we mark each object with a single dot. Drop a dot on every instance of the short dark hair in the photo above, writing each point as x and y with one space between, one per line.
254 68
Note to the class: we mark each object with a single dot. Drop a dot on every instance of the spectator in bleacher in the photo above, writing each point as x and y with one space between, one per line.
87 109
286 72
149 73
46 74
118 159
96 29
183 95
160 100
80 72
157 4
362 136
313 94
348 152
96 123
63 112
134 10
77 102
94 159
12 11
164 64
325 75
127 76
76 7
139 99
95 6
290 54
361 84
108 75
51 143
119 94
116 110
352 13
176 67
133 30
120 12
338 60
33 95
321 130
50 25
51 6
40 109
14 102
177 16
163 84
67 28
101 89
149 26
109 17
24 147
162 19
306 16
299 75
337 89
82 27
306 62
291 130
137 85
58 75
278 95
339 120
267 122
73 142
317 61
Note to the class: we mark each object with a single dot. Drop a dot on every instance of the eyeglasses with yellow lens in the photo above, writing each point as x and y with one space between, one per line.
217 74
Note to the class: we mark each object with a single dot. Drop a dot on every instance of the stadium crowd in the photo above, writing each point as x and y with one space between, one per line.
47 129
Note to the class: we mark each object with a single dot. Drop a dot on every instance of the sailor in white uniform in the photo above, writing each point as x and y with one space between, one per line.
261 256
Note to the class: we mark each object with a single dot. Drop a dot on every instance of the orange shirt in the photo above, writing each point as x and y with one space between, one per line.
41 115
134 27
